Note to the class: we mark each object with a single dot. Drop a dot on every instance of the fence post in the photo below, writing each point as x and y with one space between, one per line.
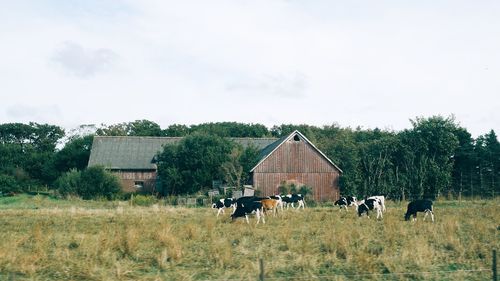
261 266
494 265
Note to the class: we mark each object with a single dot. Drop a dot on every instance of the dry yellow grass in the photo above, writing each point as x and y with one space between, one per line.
122 242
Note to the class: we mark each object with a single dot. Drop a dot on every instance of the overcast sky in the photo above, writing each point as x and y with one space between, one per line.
354 63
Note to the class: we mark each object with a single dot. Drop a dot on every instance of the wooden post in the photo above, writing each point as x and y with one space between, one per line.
494 265
261 266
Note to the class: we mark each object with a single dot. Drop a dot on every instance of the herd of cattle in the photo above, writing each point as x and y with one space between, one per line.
244 206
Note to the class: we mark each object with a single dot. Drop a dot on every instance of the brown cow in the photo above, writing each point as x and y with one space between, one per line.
270 204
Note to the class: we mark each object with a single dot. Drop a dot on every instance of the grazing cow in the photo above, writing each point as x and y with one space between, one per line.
422 205
279 199
370 204
381 199
243 209
294 198
223 204
344 202
269 204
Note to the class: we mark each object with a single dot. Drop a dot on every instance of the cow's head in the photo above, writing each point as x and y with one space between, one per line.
407 216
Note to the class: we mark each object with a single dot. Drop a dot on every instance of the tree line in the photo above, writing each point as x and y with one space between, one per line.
436 156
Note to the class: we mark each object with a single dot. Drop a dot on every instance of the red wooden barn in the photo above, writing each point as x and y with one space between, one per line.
294 159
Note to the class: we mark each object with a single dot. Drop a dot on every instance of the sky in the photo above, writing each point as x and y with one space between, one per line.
373 64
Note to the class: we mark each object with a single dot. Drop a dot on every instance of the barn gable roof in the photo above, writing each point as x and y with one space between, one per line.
266 152
137 153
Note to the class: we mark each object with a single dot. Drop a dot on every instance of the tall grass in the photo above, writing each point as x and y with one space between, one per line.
124 242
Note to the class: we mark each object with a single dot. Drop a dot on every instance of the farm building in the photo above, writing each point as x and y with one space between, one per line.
294 159
291 159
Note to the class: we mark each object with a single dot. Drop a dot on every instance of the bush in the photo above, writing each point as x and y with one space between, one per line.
68 183
95 181
8 184
143 200
91 183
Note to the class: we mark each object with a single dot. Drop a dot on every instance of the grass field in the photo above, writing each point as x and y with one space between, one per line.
49 239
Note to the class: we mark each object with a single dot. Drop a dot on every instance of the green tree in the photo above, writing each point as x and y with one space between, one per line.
433 142
96 182
487 164
193 163
176 130
30 148
135 128
74 155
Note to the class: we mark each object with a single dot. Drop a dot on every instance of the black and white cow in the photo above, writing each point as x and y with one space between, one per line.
247 207
291 199
370 204
381 199
345 202
422 205
279 199
222 204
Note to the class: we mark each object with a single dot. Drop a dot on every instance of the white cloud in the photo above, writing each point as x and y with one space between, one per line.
83 62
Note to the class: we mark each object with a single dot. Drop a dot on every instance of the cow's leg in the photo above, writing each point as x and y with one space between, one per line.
263 219
432 216
219 211
246 217
257 215
301 203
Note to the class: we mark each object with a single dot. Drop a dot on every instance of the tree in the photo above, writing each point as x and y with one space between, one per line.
75 154
487 164
135 128
193 163
96 182
433 142
176 130
231 129
30 148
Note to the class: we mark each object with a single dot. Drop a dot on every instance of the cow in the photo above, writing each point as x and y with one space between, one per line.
381 199
279 199
245 208
222 204
270 204
344 202
370 204
422 205
294 198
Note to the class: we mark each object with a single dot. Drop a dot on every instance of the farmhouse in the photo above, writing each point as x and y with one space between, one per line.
291 159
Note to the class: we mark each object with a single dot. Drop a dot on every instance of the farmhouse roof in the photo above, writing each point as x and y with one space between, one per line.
137 153
267 151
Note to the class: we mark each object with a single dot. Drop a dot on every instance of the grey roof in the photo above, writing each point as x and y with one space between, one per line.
273 146
137 153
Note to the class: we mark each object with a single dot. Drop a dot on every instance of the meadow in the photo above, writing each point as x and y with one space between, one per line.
49 239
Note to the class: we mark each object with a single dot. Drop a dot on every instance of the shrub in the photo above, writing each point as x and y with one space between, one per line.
68 183
95 181
8 184
143 200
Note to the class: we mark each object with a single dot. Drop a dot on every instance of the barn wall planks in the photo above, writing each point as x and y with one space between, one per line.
298 162
129 179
